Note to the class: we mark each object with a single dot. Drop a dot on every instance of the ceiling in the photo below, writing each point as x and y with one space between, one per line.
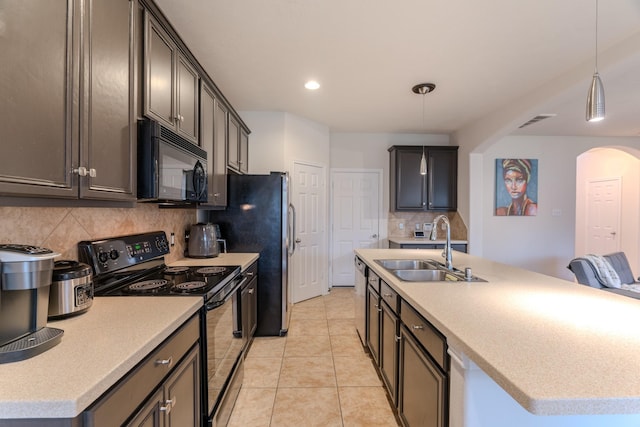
497 60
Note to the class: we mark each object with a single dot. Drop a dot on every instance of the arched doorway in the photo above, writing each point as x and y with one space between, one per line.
608 202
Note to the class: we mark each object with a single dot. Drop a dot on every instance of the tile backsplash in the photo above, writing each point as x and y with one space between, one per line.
60 229
410 219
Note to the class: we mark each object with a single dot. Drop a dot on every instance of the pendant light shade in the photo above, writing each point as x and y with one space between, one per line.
423 163
595 98
423 89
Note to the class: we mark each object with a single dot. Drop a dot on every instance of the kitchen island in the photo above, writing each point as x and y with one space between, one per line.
566 353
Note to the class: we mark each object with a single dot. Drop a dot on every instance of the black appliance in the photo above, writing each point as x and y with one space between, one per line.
134 265
259 218
171 169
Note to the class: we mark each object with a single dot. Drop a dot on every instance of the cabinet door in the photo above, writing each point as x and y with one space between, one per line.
187 100
253 307
373 321
109 133
182 392
422 386
389 349
159 73
152 413
249 309
443 182
410 185
233 152
38 83
220 129
207 107
244 151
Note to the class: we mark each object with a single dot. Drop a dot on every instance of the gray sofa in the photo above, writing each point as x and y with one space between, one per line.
586 275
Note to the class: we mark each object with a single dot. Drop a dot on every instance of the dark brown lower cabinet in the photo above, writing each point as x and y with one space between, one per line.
389 324
423 386
373 323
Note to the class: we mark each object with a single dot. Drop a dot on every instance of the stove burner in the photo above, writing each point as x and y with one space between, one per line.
190 286
176 270
208 271
148 286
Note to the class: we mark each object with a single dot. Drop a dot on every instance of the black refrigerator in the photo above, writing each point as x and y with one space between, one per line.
259 218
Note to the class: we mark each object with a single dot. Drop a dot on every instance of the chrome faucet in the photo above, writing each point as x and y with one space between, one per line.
434 235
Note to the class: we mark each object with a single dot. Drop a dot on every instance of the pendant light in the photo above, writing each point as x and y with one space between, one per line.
595 98
423 89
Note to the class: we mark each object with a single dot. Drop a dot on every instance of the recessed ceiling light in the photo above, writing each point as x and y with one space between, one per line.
312 85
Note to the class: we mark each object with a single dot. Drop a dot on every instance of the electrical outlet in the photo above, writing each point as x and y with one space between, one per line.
401 226
172 239
427 226
418 226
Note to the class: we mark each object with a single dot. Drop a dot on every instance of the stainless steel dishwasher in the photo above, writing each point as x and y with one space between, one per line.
360 298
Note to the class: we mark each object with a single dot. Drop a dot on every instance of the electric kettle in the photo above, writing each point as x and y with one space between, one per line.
203 241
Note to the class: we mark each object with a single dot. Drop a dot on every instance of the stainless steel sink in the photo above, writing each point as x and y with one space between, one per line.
408 264
424 270
424 275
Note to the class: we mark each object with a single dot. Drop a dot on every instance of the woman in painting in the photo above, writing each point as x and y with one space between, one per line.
516 174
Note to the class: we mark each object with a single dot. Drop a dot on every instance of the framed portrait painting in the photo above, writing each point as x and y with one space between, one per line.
516 187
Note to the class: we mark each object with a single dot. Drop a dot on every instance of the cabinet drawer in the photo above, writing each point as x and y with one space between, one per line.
373 280
425 333
123 399
389 296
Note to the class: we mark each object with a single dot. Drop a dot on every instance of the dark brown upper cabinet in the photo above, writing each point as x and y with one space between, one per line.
435 191
213 137
171 83
66 115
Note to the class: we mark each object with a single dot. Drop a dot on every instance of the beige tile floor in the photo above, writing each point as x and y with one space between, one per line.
318 375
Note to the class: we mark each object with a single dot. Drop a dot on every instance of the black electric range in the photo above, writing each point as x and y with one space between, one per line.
134 265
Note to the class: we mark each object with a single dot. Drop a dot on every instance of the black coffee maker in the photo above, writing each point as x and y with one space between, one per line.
25 281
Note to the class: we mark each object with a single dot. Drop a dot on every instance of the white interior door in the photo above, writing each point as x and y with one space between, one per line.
603 216
309 260
355 220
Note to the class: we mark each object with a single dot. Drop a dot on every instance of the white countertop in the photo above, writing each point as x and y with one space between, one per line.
97 349
242 259
557 347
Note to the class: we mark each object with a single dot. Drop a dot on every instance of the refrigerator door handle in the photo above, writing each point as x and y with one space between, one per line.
291 244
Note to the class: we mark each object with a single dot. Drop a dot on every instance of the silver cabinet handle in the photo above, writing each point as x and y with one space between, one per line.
387 295
374 236
298 240
168 405
251 291
165 362
378 308
417 327
250 273
397 338
82 171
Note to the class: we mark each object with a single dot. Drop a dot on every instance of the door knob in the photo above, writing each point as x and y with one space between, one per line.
374 236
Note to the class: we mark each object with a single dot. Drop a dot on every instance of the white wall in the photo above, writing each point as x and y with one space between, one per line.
266 141
544 243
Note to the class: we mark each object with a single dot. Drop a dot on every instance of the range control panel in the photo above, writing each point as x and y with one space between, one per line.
116 253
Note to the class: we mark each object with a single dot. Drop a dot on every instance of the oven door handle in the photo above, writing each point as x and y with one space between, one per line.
213 305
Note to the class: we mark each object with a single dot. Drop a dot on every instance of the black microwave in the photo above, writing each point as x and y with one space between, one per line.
171 169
